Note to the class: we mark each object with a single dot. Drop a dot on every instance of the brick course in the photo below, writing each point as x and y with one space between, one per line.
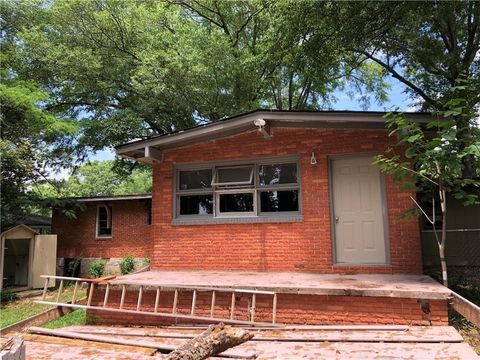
295 246
291 309
130 232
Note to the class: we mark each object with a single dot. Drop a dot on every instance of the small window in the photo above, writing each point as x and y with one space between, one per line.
104 221
233 175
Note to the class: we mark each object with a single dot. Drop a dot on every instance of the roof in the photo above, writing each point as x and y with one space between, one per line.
34 220
113 198
150 150
17 227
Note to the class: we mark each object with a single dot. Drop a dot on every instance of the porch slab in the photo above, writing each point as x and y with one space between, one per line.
373 285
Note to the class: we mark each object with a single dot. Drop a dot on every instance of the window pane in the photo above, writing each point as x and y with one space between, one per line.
236 202
278 174
273 201
234 174
196 179
196 205
104 223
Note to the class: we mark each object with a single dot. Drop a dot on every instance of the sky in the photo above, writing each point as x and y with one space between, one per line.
397 99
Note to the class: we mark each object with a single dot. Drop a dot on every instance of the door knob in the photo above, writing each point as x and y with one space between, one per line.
336 219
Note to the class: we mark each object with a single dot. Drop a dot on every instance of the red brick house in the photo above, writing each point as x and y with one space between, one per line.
279 191
108 227
279 217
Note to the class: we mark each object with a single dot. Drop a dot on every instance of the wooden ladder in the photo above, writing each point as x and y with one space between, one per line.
176 289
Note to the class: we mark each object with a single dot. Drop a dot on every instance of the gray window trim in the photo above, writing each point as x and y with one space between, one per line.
248 182
250 217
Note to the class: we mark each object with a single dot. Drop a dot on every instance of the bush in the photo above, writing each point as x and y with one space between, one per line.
127 264
146 261
7 296
97 268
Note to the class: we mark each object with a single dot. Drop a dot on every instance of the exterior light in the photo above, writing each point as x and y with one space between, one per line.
313 159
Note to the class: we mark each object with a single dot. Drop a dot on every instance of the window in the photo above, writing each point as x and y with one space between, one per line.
104 221
251 189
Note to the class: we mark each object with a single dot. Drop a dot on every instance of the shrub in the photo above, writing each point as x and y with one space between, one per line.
97 268
7 296
146 261
127 264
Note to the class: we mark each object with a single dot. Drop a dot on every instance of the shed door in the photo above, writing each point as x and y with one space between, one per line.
358 212
44 259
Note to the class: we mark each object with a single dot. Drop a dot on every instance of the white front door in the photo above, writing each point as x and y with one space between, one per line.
358 211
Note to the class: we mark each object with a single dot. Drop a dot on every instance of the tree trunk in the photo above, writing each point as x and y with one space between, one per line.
441 247
213 341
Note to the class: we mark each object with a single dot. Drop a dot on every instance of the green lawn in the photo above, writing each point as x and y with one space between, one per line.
77 317
16 310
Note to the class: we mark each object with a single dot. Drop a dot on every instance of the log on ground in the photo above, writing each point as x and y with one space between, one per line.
213 341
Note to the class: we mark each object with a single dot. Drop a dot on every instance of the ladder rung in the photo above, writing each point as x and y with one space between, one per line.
212 308
140 295
194 302
105 299
274 309
75 289
60 290
122 299
90 294
175 300
252 310
232 307
157 299
45 288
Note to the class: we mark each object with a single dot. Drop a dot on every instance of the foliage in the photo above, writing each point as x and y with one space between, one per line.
127 265
97 268
77 317
7 296
430 160
146 261
74 265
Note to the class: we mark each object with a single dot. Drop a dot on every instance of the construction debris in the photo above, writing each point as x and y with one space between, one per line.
12 349
215 340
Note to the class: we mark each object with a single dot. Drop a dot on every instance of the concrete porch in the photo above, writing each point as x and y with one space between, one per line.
371 285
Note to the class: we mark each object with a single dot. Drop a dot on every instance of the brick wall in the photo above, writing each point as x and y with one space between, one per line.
291 309
305 245
130 232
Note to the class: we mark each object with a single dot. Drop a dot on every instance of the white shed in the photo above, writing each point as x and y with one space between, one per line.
24 256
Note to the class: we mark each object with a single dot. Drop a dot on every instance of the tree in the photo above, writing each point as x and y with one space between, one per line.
29 136
431 161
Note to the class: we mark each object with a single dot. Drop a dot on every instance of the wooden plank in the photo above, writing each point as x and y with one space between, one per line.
145 344
469 310
432 334
89 344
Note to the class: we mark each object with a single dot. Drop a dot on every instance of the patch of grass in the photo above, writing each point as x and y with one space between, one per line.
17 310
77 317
